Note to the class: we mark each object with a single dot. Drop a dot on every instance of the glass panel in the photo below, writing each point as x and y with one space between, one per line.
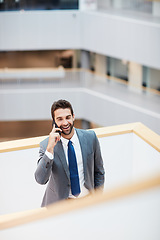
144 6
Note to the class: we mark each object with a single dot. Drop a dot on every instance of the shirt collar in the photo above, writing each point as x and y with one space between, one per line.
74 138
64 141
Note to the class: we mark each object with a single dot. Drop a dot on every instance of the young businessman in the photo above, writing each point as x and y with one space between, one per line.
70 159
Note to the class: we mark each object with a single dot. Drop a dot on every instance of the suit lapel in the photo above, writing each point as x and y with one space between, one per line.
83 145
60 152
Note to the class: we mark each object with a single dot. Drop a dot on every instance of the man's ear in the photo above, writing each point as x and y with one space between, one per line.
73 117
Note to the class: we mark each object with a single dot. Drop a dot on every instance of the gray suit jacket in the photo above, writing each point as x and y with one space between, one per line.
56 171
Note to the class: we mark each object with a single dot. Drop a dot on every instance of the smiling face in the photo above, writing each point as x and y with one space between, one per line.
65 121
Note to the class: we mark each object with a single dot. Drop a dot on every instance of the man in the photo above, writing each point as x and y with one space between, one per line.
70 159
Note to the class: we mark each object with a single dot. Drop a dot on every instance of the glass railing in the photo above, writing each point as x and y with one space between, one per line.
130 5
130 8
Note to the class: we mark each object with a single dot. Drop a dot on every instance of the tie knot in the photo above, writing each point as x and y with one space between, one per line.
70 142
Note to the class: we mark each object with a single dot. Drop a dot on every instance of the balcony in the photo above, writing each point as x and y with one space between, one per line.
131 197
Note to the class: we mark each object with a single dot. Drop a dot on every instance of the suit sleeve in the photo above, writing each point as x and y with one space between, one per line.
44 167
98 166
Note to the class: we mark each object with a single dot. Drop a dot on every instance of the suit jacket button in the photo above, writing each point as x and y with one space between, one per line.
47 164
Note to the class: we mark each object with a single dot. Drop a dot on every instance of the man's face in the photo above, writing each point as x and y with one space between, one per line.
64 120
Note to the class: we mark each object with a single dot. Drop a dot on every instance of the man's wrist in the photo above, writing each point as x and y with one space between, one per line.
49 154
50 149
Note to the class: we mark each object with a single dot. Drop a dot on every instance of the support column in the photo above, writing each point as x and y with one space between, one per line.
75 59
104 4
156 9
101 65
85 59
87 5
118 4
135 74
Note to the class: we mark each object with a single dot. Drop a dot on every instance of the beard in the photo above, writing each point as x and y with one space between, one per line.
68 130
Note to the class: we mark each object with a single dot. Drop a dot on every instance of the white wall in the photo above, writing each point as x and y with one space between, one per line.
19 190
126 157
122 37
146 160
106 34
33 30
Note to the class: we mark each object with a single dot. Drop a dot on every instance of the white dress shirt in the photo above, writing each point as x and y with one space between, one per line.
77 148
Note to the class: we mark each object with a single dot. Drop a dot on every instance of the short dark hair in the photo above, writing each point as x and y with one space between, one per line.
60 104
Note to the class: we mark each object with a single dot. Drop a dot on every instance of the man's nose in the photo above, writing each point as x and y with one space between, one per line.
64 122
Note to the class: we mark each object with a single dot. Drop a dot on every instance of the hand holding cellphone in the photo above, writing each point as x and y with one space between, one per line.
58 131
54 137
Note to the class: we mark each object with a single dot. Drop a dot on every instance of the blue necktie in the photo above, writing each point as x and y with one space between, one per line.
74 177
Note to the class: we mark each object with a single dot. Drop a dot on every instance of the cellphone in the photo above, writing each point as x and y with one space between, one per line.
54 123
